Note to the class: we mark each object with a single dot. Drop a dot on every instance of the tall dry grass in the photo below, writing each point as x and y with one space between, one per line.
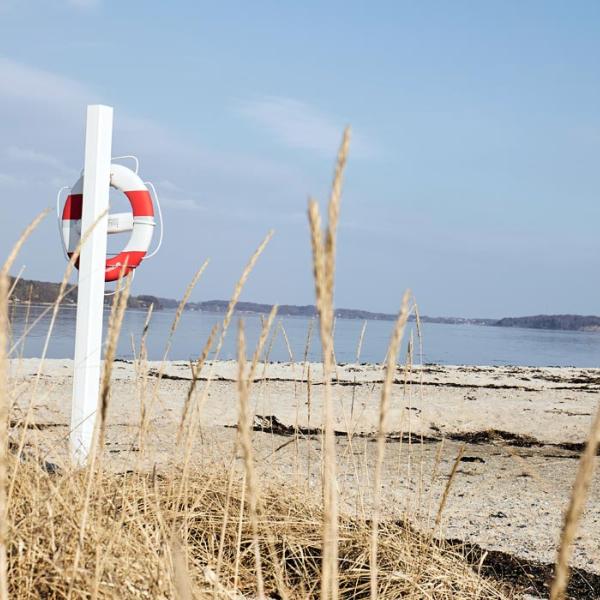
199 530
382 431
244 427
323 250
5 400
574 511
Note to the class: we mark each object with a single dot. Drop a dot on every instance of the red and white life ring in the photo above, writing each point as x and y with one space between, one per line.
141 225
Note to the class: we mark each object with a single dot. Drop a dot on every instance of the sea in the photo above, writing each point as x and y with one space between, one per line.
297 339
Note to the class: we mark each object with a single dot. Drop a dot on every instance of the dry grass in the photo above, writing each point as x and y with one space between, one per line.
5 402
382 431
4 418
128 551
579 496
198 530
245 427
323 249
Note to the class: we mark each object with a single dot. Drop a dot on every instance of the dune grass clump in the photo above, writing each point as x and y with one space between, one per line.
142 540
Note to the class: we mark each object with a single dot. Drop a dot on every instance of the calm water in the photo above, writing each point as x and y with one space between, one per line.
443 344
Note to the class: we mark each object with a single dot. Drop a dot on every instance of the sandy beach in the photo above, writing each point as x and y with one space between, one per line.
522 431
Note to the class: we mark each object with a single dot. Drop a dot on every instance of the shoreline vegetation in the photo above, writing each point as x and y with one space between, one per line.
45 293
515 460
191 490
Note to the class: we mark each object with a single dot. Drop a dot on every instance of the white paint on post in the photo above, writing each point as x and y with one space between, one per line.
90 295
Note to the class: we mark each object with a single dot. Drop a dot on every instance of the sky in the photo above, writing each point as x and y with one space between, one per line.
473 177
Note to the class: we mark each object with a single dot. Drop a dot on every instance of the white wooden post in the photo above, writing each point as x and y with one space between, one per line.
90 295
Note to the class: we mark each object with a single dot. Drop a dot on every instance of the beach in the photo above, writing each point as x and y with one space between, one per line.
518 431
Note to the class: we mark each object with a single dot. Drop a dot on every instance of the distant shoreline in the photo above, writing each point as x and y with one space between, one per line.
42 293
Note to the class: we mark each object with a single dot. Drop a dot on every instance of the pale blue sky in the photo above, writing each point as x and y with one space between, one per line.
474 173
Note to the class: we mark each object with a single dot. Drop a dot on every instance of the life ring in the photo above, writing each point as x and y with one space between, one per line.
141 223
